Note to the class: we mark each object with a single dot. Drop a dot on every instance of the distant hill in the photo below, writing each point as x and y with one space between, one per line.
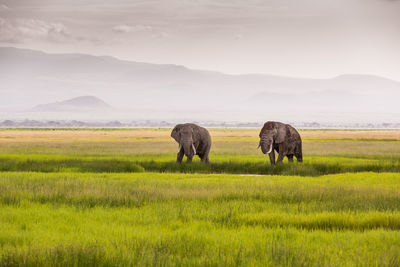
29 78
77 104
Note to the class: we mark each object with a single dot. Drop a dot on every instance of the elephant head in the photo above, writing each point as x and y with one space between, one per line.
272 133
185 135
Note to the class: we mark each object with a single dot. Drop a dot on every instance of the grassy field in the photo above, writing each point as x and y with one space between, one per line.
117 198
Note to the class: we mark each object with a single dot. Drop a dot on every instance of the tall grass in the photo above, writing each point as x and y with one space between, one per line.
147 219
313 166
63 165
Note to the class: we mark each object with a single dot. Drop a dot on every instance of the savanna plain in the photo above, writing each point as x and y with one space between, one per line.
116 197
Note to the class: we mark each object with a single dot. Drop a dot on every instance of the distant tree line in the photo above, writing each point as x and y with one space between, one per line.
164 124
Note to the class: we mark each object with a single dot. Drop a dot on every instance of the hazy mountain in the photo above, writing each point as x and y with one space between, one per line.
29 78
77 104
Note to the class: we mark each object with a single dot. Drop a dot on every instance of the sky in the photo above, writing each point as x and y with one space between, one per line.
299 38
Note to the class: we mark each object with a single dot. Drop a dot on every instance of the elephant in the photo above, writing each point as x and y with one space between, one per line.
283 138
193 140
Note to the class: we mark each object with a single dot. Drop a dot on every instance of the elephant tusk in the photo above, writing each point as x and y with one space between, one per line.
270 149
194 149
259 144
180 147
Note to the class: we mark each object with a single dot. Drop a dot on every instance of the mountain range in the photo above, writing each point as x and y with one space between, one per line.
34 79
76 104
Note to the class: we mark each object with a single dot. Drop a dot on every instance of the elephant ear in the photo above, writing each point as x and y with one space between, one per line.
196 134
175 132
283 133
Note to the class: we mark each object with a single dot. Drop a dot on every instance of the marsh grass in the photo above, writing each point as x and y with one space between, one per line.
313 166
74 165
262 168
147 219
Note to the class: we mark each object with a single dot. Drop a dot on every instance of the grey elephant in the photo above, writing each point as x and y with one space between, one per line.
193 140
283 138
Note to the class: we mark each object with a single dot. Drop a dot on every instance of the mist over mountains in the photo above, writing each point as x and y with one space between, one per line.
37 81
77 104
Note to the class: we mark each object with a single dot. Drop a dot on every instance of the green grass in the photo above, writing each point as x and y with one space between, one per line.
96 197
176 219
312 166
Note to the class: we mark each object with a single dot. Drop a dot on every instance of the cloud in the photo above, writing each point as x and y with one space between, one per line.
238 36
4 7
161 35
20 30
123 28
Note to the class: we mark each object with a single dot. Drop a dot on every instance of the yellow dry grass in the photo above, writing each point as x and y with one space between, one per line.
157 135
353 134
67 136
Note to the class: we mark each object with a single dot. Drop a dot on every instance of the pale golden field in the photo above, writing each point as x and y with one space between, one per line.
225 141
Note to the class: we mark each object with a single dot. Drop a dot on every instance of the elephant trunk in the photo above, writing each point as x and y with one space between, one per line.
266 145
188 149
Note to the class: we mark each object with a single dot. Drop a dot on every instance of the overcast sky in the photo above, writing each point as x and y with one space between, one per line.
303 38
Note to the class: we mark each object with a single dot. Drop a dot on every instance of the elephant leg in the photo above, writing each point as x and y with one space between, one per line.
299 157
282 153
202 157
179 156
280 158
299 153
205 159
272 157
290 158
